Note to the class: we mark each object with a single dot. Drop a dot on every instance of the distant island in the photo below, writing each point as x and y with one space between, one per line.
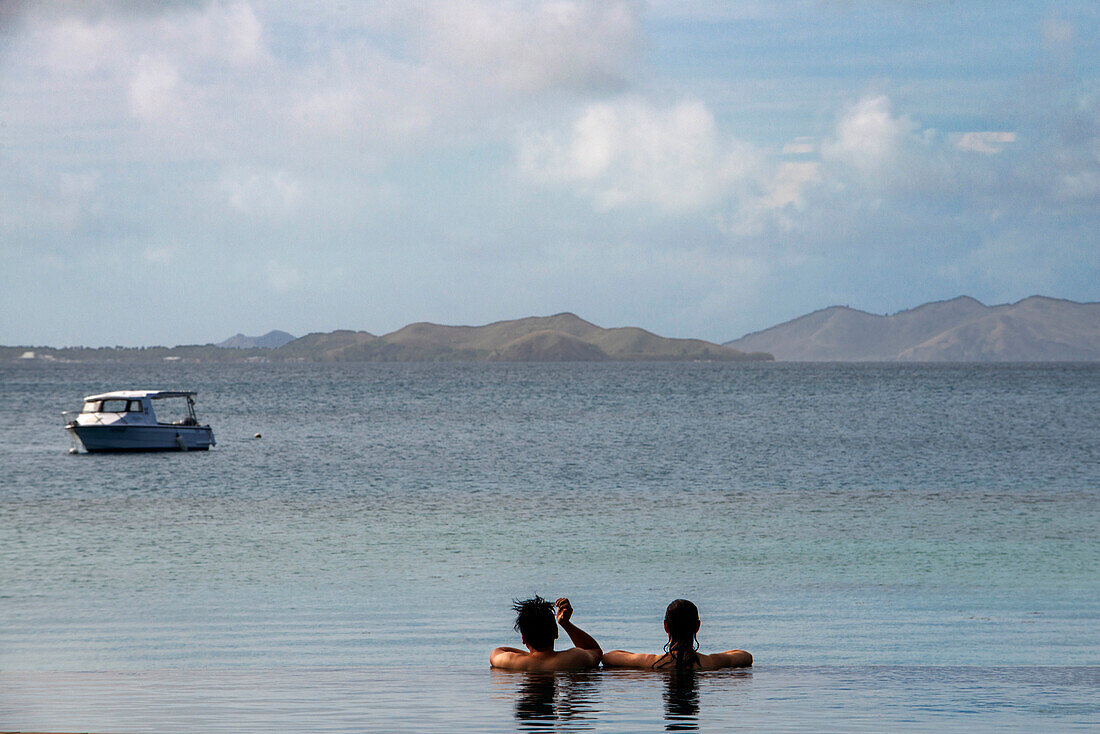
270 340
560 338
1036 329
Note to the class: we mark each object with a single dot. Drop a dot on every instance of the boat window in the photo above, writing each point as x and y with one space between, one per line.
113 406
134 406
92 406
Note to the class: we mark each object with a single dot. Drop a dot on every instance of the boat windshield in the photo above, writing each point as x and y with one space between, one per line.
112 405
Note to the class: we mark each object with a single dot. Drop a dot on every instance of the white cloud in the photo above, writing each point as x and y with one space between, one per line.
629 152
233 33
868 136
367 96
790 180
152 88
74 47
80 40
257 81
781 202
189 64
803 145
988 142
267 193
1081 185
533 46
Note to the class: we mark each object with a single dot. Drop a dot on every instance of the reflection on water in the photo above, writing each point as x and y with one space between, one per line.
555 701
535 699
684 692
681 701
435 700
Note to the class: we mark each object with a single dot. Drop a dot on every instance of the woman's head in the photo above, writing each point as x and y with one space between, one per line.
681 620
682 624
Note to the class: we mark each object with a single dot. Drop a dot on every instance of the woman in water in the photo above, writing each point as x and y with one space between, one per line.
682 625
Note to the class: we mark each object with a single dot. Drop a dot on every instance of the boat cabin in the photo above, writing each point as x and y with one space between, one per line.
135 407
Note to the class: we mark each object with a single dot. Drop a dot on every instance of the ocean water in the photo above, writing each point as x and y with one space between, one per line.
901 547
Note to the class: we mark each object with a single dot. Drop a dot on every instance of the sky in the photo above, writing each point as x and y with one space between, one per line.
177 172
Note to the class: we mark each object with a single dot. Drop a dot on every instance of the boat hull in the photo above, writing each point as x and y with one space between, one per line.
109 438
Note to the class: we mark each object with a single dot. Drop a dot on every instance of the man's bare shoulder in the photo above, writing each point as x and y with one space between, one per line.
572 659
509 658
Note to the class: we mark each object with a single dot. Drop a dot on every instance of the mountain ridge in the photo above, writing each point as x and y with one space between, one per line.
560 337
271 340
961 329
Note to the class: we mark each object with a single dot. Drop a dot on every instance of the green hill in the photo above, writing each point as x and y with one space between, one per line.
548 345
562 337
323 347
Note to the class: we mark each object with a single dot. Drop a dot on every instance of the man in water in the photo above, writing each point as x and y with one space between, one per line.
536 624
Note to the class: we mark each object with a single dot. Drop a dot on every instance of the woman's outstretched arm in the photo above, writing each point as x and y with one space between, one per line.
731 659
624 659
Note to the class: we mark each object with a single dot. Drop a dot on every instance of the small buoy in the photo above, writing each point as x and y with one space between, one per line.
257 436
74 451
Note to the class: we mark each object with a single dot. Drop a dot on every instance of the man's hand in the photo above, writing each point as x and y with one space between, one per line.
586 648
565 610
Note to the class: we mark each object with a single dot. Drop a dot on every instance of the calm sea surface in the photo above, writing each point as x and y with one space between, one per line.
909 547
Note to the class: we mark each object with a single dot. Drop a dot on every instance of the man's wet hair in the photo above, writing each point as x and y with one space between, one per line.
536 622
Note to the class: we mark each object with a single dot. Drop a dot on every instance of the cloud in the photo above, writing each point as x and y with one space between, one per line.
233 33
1082 185
85 38
188 67
74 47
260 81
788 183
266 193
1074 155
531 46
802 145
868 135
367 97
629 152
879 180
152 88
987 142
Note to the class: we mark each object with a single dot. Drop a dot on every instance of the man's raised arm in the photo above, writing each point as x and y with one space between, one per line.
583 642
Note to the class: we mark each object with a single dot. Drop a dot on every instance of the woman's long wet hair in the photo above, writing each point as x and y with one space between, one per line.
682 619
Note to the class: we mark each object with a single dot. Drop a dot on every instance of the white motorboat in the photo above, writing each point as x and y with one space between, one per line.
126 421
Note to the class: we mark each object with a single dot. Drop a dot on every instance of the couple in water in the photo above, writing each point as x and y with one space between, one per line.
537 622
